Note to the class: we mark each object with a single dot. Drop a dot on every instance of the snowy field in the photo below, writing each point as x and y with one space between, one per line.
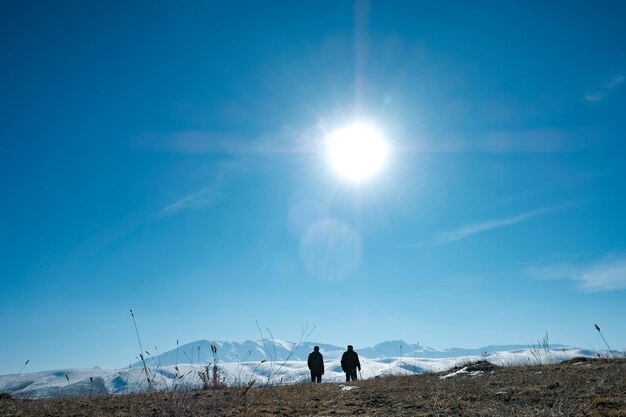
280 363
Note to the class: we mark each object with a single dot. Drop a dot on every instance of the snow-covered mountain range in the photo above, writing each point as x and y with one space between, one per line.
199 352
266 362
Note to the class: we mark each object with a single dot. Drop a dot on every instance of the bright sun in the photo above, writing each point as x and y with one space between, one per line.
357 152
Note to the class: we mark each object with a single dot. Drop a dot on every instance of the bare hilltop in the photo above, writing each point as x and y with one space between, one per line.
577 387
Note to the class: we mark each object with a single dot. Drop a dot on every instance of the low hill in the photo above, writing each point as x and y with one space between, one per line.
164 376
578 387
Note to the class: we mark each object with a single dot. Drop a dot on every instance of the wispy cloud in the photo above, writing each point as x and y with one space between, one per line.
237 150
524 141
540 140
197 200
474 228
607 273
599 94
201 199
471 229
287 140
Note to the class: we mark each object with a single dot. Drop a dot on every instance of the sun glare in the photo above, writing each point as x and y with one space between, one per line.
357 152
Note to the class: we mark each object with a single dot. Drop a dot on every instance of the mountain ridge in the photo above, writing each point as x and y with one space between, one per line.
199 352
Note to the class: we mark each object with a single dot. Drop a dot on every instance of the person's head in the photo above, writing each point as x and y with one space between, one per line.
350 347
316 348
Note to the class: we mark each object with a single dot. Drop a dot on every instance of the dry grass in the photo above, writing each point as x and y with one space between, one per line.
574 388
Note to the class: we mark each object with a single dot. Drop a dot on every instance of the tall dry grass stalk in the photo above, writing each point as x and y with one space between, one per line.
541 351
275 368
18 374
143 361
605 342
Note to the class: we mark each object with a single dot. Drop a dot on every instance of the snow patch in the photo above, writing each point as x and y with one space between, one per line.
463 371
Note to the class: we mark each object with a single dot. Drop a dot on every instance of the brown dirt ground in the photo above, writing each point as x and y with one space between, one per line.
574 388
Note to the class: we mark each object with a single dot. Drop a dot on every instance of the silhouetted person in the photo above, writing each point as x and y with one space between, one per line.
316 364
350 363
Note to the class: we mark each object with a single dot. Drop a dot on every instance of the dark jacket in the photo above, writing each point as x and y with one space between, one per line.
316 362
350 361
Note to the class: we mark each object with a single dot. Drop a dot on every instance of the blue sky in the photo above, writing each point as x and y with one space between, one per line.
170 158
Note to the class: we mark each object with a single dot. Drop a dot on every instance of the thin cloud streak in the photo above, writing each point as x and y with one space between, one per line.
514 141
198 200
605 274
286 141
202 198
599 94
472 229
